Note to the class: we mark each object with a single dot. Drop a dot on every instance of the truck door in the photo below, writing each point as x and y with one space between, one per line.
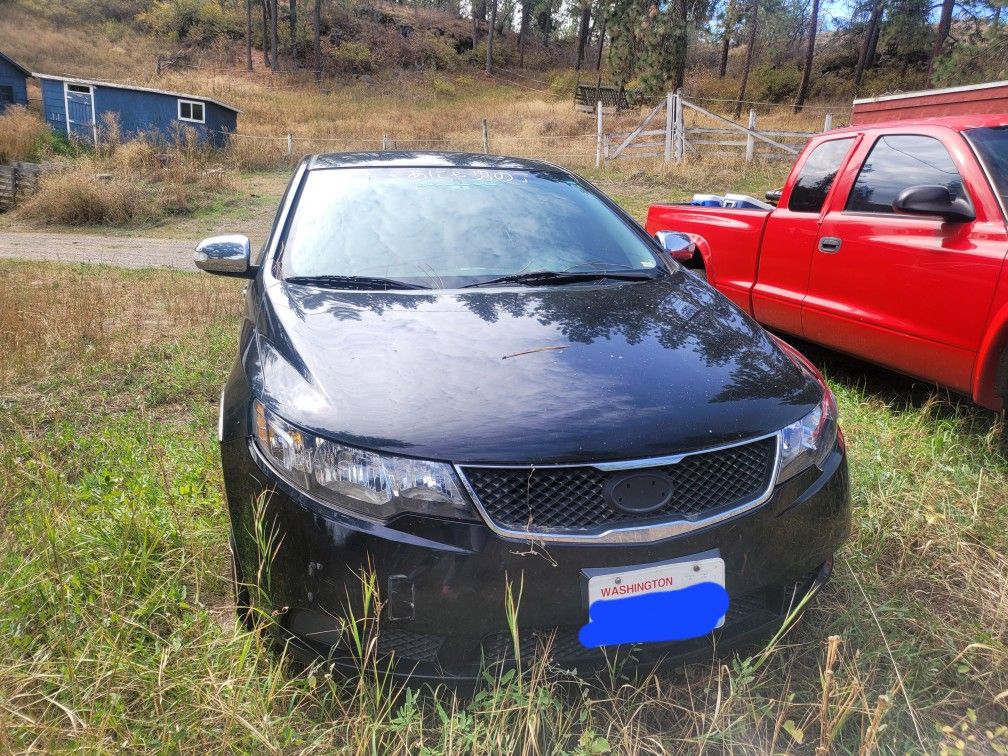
790 237
908 291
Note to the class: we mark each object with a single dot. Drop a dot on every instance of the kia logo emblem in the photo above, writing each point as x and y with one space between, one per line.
638 492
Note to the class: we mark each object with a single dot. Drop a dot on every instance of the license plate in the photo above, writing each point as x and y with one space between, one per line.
676 600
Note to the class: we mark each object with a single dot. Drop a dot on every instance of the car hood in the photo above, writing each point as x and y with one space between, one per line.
525 375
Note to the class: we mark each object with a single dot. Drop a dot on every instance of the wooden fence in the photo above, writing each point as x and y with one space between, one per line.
675 143
19 180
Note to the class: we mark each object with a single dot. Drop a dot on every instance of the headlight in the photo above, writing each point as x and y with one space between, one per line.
809 441
347 478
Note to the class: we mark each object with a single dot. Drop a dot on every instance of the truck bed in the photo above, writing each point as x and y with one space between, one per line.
735 233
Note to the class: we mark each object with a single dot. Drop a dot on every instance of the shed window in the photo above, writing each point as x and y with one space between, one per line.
6 93
190 110
82 88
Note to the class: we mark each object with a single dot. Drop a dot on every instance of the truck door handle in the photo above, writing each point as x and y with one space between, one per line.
829 244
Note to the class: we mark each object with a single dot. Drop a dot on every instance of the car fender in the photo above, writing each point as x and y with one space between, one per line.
988 360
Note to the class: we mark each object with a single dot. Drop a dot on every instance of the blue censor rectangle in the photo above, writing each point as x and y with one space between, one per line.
650 617
671 601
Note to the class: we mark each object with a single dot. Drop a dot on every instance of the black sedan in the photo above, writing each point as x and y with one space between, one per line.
471 389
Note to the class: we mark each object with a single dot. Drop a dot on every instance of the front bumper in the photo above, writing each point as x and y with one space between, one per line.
443 585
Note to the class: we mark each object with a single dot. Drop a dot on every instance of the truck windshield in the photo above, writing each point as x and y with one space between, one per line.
453 227
992 146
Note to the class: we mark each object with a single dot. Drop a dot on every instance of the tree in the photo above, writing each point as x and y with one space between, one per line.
944 25
680 42
526 13
248 34
753 26
317 21
730 21
265 32
870 44
273 36
601 44
490 36
813 30
584 24
292 21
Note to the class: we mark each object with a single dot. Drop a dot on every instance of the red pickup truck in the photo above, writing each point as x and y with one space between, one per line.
888 242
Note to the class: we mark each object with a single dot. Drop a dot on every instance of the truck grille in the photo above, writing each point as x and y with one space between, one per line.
572 499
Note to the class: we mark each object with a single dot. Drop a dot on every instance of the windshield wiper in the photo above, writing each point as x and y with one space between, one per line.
553 277
354 282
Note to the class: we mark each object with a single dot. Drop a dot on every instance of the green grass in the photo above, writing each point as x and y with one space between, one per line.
117 627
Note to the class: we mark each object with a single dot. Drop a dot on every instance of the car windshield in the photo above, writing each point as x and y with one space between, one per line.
992 146
452 227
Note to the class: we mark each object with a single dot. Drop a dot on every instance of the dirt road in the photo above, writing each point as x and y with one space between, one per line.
127 252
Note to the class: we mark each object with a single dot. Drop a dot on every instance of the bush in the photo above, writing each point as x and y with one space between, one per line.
23 135
563 84
353 57
502 54
775 83
438 53
190 20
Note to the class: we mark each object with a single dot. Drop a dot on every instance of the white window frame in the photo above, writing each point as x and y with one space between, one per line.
192 102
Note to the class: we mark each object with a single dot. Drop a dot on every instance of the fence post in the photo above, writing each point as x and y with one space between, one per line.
680 126
290 145
486 138
750 144
670 105
384 142
828 123
598 134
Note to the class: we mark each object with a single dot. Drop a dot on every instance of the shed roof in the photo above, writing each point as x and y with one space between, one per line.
16 65
134 88
931 92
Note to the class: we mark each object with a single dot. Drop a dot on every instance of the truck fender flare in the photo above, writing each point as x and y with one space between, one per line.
989 359
703 251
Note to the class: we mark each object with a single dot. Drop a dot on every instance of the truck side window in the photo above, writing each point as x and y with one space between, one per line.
898 162
816 177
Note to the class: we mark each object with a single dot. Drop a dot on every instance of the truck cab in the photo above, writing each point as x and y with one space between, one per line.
888 242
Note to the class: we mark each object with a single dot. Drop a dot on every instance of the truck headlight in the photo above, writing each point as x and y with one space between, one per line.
357 480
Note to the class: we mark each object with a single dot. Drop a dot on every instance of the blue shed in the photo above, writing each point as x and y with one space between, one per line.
78 107
13 82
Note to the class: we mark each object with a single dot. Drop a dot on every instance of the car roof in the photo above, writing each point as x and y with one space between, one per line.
424 159
953 122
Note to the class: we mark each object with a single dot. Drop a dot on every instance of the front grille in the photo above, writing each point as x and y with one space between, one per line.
407 645
572 499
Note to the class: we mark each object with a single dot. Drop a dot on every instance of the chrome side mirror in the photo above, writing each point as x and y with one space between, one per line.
228 255
677 245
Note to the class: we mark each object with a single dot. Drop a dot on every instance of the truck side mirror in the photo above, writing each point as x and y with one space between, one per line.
933 199
678 246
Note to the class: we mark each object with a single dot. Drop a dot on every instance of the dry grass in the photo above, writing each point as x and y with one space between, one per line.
130 184
56 38
22 134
